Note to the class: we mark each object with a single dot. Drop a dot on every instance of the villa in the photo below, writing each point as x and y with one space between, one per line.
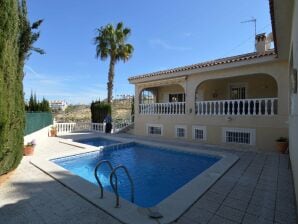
200 148
245 101
235 100
57 105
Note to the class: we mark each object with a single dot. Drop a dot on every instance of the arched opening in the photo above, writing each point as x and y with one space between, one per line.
166 99
243 95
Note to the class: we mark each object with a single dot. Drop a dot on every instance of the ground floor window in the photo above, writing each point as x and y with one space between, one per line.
239 136
199 133
154 129
180 131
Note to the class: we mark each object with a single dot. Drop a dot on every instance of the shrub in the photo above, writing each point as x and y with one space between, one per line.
99 110
11 87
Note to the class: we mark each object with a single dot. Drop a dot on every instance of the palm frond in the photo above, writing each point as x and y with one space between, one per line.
36 24
37 50
110 42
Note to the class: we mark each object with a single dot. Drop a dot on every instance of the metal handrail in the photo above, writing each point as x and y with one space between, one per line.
115 187
95 174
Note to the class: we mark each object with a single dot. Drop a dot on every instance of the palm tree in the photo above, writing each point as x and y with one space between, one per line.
111 42
27 36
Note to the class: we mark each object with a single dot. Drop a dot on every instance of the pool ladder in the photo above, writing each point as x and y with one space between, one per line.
113 174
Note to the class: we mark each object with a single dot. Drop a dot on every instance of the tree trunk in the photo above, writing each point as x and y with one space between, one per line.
111 80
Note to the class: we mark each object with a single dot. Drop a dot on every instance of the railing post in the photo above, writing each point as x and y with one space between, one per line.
272 107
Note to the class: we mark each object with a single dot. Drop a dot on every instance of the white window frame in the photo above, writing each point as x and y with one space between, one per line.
238 85
183 127
155 126
203 128
251 131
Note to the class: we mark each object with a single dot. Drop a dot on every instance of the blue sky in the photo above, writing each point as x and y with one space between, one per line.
165 34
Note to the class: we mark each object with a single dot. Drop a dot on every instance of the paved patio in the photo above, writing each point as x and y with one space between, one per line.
257 189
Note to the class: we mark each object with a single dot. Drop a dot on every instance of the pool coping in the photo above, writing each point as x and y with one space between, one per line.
171 208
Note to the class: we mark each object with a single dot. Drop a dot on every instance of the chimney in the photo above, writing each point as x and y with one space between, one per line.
260 43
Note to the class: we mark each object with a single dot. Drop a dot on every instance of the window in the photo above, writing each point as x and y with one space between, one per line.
238 91
178 97
180 131
147 97
154 129
239 136
199 133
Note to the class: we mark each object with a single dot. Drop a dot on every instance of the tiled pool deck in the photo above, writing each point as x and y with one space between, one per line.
257 189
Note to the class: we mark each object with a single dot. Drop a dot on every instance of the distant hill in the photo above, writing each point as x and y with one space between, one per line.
121 109
74 113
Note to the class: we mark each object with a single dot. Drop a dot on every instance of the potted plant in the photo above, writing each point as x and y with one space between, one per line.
282 144
53 131
29 148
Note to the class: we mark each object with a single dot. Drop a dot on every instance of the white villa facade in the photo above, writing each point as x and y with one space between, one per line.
230 101
248 100
56 105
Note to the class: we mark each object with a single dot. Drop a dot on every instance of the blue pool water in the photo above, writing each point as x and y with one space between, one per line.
156 172
97 141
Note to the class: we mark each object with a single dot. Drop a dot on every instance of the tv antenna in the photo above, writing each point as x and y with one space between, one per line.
252 20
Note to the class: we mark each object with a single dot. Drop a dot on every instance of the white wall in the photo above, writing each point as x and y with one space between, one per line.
293 120
38 136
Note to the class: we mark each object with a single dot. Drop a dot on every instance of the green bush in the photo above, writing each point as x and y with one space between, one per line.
16 43
99 111
11 87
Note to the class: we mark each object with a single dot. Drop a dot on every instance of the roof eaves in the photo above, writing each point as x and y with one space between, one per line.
221 61
271 8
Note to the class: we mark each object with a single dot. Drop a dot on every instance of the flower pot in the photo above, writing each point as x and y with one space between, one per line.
53 133
28 150
282 146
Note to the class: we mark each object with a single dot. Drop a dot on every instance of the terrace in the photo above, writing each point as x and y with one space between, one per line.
257 189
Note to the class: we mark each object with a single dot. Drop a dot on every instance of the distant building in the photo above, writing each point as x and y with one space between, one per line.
56 105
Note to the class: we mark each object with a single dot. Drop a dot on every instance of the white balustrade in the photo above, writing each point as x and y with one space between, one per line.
162 108
243 107
63 128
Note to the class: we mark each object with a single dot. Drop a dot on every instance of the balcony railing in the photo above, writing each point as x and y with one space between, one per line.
162 108
243 107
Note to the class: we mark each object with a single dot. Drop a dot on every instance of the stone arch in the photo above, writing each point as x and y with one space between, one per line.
255 86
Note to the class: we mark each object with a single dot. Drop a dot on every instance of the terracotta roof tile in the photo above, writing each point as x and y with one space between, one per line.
220 61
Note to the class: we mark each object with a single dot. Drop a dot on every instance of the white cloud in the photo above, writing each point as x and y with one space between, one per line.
72 88
165 45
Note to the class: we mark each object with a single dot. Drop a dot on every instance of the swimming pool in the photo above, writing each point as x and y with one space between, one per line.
157 172
97 141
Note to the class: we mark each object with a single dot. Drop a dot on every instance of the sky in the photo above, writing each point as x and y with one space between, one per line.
164 33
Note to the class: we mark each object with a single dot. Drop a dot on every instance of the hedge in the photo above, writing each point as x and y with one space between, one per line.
99 111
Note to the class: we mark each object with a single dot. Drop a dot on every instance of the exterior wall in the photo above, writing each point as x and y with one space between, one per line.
164 91
293 119
258 86
38 136
268 129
